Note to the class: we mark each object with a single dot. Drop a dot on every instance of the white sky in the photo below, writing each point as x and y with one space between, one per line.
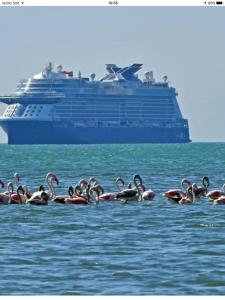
186 43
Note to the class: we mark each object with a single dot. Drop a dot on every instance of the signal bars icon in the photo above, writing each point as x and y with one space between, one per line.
214 2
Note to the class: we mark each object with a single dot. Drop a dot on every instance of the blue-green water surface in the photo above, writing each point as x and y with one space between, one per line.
145 248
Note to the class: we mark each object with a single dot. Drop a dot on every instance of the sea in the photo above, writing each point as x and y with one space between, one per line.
114 248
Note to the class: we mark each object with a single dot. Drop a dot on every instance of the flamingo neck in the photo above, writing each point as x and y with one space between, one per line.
51 188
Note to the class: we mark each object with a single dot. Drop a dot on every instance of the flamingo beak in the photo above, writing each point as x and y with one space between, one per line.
56 180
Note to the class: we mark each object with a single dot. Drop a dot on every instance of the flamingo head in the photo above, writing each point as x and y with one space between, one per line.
99 189
17 176
41 188
2 184
119 180
83 184
52 177
136 178
25 188
205 181
93 181
77 190
141 187
44 196
10 187
185 183
94 193
20 189
70 191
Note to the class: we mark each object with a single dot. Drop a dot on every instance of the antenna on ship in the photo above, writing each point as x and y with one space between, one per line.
49 67
92 76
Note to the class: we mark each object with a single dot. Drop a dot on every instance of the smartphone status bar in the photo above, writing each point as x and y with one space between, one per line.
111 3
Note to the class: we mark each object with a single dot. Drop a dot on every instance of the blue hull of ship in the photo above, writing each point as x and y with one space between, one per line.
43 132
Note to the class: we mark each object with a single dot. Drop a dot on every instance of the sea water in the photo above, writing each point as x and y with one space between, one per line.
141 248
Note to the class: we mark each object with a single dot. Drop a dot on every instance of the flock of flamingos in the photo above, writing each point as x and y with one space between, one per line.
90 191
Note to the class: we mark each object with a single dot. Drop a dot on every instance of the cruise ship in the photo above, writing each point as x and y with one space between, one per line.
56 107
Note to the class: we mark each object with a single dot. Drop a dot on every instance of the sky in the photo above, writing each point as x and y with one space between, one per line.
185 43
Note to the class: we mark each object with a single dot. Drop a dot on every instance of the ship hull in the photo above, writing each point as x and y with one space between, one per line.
52 132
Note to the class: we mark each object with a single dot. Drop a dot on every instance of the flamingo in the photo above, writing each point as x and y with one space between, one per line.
16 178
131 194
215 194
83 184
120 183
94 193
41 196
220 200
108 197
60 199
50 180
18 198
72 193
190 196
12 198
146 194
93 181
83 187
201 191
38 198
177 194
111 196
80 191
26 195
6 197
77 199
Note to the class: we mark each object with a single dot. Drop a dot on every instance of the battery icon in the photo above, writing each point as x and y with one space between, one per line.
219 2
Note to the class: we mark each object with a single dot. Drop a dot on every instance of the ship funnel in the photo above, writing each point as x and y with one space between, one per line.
92 76
79 74
165 78
59 68
149 76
